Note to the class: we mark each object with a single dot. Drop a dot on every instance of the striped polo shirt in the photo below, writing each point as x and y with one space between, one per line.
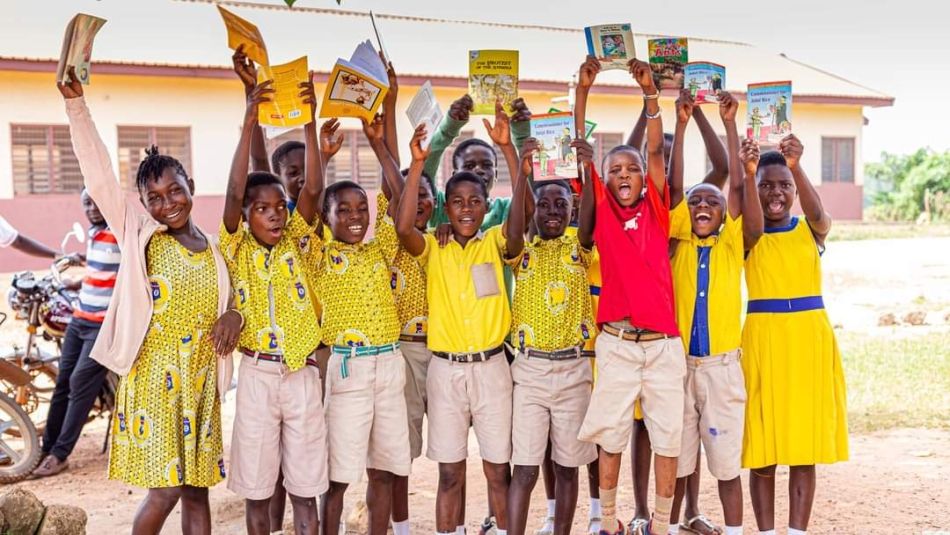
102 264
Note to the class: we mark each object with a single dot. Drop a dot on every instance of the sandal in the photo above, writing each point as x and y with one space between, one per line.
638 526
702 520
618 532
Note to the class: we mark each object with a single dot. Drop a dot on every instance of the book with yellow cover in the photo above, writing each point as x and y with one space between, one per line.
77 47
356 88
286 108
492 75
242 32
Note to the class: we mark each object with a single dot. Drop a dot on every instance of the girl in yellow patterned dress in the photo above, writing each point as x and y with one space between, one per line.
795 413
168 319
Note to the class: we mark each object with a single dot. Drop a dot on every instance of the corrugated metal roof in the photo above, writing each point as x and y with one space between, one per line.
190 34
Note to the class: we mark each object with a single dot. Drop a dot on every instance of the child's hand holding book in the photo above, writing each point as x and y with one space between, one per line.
419 154
500 132
462 108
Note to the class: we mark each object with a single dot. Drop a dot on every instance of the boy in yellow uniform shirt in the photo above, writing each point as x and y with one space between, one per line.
279 413
469 382
707 268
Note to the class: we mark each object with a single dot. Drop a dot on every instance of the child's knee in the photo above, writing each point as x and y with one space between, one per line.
380 477
565 473
165 497
765 471
525 474
300 501
451 476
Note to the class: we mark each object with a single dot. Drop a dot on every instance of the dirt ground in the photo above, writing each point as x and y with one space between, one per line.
897 481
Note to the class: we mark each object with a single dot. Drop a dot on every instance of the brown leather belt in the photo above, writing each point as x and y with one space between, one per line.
412 338
634 335
270 357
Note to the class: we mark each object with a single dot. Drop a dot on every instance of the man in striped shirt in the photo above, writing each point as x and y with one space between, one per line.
80 378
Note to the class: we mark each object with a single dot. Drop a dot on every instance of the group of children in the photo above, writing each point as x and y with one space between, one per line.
417 322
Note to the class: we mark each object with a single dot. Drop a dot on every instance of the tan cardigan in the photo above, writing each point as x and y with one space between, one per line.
130 310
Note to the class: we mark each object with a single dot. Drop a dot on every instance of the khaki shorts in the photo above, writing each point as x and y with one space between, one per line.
322 355
550 401
366 416
417 357
463 395
652 372
278 421
714 415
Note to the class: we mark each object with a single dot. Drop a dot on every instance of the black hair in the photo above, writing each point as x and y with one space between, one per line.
771 157
559 183
259 179
468 143
282 151
465 176
426 179
331 191
619 148
154 165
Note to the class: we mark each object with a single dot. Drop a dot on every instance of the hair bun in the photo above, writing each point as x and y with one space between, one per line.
151 151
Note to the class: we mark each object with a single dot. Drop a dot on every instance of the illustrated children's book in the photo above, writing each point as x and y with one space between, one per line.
668 58
424 109
611 44
769 111
705 81
588 124
77 47
286 108
242 32
356 88
492 75
555 158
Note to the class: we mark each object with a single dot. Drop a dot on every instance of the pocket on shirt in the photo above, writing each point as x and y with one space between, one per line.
485 280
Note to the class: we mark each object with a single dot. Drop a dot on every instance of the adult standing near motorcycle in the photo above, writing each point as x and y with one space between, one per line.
80 377
167 320
9 237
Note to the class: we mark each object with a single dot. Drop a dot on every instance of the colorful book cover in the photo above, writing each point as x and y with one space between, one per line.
242 32
588 124
286 108
769 111
356 88
77 47
611 44
705 81
555 158
424 109
492 75
668 57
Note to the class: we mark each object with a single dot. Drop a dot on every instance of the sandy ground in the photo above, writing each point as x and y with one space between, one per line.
895 482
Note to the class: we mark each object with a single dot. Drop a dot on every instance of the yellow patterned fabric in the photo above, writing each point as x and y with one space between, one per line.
353 283
272 292
407 279
166 431
552 304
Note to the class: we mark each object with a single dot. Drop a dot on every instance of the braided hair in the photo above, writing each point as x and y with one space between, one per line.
154 165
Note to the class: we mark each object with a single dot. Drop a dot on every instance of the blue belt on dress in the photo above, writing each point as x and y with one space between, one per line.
797 304
349 352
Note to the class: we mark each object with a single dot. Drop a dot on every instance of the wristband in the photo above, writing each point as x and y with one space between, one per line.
654 96
655 115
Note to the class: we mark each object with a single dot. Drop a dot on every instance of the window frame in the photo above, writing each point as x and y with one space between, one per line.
54 165
836 142
127 179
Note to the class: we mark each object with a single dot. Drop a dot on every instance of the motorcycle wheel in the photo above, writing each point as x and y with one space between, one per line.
19 443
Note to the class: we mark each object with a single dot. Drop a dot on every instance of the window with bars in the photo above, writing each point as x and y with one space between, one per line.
356 161
43 160
603 142
133 140
837 159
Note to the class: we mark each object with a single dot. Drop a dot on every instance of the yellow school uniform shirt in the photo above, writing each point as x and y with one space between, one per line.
459 320
551 309
353 283
272 292
707 275
407 279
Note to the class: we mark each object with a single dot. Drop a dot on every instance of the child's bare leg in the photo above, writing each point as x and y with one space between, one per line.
762 489
730 494
566 496
400 502
499 478
801 495
379 499
154 509
642 453
692 491
547 473
195 511
609 467
593 479
305 515
331 508
278 502
523 480
665 475
449 509
257 517
678 496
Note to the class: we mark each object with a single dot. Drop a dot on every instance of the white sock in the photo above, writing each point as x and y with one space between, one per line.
550 508
674 529
401 528
793 531
502 531
733 530
595 507
460 530
446 533
767 532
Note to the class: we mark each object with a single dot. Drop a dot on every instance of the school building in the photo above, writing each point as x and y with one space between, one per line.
161 74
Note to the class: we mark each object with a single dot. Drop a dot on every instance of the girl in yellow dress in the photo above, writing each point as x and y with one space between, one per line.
167 321
795 414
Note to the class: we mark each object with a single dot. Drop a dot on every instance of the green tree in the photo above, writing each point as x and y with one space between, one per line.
902 187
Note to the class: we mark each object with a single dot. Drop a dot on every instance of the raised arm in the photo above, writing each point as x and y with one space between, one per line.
714 149
520 123
247 72
656 167
818 219
639 129
392 178
516 223
237 180
445 134
409 236
389 118
500 134
308 202
330 141
728 108
685 107
585 212
743 197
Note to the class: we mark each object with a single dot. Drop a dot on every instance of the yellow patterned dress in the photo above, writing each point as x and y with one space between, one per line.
167 425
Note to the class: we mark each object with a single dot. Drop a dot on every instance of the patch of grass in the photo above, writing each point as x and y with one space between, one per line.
897 381
853 231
